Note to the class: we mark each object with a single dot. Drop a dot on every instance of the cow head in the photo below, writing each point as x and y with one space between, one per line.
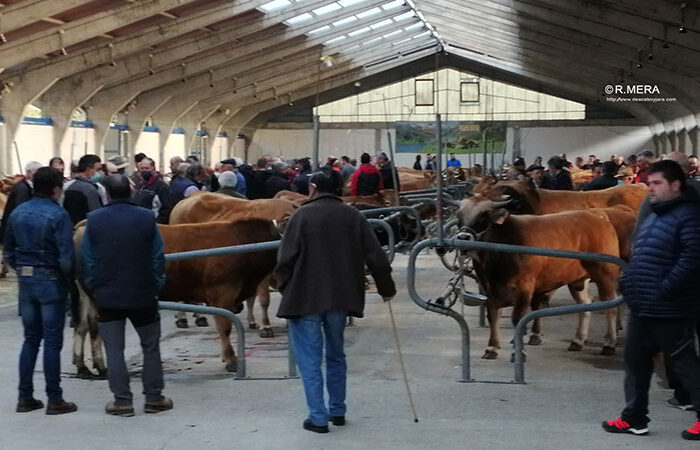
478 212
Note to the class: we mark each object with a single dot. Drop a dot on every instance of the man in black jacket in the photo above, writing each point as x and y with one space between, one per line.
387 170
559 178
124 268
278 181
319 290
658 285
606 180
19 193
152 192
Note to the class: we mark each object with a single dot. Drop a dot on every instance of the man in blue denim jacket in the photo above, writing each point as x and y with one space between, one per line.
39 247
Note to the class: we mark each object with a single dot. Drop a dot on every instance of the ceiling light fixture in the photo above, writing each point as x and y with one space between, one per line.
639 58
682 29
650 56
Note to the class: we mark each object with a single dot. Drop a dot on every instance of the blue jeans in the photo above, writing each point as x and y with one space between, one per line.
42 304
308 334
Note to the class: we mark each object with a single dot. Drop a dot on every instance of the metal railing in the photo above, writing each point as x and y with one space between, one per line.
522 324
391 250
393 209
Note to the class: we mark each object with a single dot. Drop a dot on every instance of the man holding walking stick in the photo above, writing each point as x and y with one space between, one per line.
322 284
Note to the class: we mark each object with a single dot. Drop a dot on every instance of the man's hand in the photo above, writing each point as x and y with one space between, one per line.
386 299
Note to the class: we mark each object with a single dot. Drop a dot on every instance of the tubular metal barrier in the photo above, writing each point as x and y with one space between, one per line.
237 324
522 324
391 251
394 209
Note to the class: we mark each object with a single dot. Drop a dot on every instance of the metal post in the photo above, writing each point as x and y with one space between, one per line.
394 173
317 133
390 234
483 148
438 145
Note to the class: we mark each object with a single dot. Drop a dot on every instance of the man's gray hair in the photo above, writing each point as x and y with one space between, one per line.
182 168
228 179
32 166
278 167
175 159
193 170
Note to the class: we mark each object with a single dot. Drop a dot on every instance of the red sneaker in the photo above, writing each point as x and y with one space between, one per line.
692 433
620 426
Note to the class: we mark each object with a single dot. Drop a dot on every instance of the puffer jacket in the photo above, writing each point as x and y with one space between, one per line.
661 278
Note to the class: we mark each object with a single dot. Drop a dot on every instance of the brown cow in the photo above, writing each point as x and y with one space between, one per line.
208 207
220 281
520 280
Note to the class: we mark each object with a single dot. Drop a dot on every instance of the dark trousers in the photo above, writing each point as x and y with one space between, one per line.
42 306
146 322
679 392
647 336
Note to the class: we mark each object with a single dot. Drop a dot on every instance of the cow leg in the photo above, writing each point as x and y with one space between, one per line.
263 295
494 314
79 333
519 310
538 301
228 356
181 320
611 316
250 304
200 321
581 296
98 359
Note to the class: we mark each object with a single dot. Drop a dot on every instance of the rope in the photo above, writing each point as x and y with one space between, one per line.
403 367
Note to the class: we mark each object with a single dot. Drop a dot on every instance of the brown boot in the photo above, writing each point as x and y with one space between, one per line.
157 406
61 407
119 409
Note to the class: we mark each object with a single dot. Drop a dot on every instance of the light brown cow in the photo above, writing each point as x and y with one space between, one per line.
521 280
208 207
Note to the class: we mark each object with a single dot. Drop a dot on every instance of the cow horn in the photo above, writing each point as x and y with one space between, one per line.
505 200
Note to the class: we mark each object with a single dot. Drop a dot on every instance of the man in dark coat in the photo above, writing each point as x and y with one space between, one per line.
124 268
19 193
152 192
366 180
559 178
320 289
278 181
606 180
387 170
301 182
659 286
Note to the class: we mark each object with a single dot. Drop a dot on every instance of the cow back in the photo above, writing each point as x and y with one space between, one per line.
218 207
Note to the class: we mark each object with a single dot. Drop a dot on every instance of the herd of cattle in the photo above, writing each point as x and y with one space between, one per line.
496 211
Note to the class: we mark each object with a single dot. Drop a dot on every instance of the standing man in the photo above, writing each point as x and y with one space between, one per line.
39 247
347 168
387 170
366 180
152 192
559 178
231 164
658 285
123 265
453 162
81 195
319 290
19 193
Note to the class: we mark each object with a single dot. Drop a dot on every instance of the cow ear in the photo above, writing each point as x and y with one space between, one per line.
498 216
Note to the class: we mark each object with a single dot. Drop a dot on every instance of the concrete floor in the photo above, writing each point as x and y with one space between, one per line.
562 406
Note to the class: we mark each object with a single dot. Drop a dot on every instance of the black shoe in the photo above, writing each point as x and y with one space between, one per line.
29 405
338 421
315 428
61 407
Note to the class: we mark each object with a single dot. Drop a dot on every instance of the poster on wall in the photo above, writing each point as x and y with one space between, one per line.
458 137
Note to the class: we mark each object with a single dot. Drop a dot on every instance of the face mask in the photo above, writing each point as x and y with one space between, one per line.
146 175
96 177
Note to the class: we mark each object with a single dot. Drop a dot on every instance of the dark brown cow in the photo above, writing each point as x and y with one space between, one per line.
208 207
520 280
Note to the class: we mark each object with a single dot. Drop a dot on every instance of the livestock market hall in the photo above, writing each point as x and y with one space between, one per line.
511 160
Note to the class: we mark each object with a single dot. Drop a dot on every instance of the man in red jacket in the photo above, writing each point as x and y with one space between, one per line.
366 180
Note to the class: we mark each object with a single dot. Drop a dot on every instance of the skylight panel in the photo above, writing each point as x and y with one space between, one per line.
346 3
368 13
393 33
300 18
392 5
274 5
404 16
342 22
320 30
326 9
425 33
372 41
335 39
383 23
359 31
414 26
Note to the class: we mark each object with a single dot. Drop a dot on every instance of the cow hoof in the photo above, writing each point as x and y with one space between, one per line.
253 326
575 347
607 351
182 323
534 340
489 354
85 374
232 367
201 322
266 333
238 308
